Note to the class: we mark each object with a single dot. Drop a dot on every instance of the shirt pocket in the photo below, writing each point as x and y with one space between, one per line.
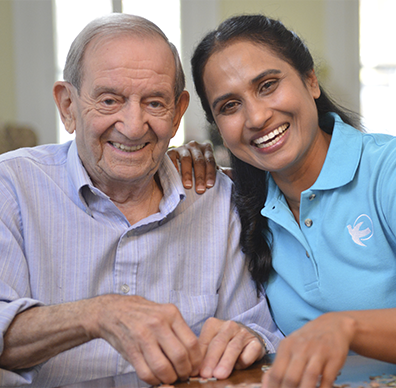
195 309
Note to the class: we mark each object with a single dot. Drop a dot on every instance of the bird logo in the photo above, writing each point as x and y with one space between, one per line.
361 230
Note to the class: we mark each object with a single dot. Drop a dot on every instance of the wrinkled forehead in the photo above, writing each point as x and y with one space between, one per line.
122 49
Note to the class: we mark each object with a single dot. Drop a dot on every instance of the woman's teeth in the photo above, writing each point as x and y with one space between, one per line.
271 138
123 147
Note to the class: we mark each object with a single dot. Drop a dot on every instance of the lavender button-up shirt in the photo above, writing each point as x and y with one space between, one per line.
62 240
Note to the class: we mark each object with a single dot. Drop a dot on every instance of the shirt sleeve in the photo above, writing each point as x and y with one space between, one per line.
15 296
238 300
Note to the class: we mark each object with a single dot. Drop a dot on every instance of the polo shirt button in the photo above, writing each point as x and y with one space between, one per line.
312 196
125 288
308 223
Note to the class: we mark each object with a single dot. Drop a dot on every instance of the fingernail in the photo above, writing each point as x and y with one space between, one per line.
220 372
200 189
206 372
188 184
209 183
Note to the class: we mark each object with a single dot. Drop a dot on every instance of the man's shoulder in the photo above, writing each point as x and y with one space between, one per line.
49 154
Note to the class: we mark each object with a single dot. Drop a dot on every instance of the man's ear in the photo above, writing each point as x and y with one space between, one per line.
181 107
63 95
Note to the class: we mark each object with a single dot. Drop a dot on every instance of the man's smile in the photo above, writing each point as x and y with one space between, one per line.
126 148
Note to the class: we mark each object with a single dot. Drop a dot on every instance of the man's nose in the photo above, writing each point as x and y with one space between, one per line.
132 122
257 114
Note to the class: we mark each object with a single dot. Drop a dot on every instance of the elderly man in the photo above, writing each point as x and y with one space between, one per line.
103 271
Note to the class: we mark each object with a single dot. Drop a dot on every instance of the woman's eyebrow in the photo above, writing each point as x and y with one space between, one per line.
265 74
221 98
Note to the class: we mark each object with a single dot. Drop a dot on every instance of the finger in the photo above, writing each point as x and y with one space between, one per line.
174 157
233 349
199 164
186 167
190 343
252 352
224 349
311 374
330 373
273 378
177 356
210 165
208 332
151 365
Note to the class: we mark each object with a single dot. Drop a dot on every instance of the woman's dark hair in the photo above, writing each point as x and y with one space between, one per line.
250 182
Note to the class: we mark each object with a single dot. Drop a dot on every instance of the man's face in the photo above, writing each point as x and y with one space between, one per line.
125 114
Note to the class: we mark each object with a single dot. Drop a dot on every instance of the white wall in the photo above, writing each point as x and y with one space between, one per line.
34 51
35 67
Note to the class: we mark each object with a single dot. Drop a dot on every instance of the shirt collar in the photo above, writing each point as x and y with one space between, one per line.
341 162
169 177
343 156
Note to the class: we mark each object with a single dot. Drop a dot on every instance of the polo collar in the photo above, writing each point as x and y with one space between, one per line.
340 165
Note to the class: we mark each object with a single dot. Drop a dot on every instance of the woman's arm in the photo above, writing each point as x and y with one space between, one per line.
318 350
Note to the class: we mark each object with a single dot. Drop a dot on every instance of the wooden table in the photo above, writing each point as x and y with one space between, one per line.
248 376
358 371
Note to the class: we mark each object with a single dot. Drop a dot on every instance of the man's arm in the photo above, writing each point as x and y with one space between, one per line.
154 338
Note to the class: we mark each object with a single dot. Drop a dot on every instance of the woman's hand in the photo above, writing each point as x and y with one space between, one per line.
198 157
313 355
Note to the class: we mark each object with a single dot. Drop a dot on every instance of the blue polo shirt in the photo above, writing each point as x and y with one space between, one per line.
343 254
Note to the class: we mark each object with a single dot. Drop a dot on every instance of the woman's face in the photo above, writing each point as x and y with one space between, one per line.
265 112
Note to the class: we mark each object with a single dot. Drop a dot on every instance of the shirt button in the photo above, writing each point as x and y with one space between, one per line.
312 196
125 288
308 223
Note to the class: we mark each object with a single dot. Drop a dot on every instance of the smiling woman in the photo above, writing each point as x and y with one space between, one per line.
315 196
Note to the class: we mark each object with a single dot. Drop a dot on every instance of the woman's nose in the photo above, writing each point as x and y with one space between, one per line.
257 114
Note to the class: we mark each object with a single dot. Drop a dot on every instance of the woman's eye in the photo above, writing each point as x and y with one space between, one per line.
229 107
268 85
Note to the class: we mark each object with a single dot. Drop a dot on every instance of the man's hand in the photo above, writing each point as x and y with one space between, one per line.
153 337
228 344
197 156
313 354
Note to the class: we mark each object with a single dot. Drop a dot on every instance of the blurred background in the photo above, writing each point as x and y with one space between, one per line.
351 41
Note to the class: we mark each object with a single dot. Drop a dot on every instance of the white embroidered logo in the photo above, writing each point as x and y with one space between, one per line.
361 230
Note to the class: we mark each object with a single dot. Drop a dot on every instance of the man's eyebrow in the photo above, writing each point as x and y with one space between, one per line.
104 89
253 81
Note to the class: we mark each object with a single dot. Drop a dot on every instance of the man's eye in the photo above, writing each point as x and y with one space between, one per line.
155 104
109 101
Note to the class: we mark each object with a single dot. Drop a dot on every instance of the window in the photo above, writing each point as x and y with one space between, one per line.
378 65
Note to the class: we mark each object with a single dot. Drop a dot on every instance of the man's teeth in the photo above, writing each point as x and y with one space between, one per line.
270 139
123 147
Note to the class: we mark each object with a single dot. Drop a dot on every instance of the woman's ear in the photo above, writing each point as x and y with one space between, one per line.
64 96
313 84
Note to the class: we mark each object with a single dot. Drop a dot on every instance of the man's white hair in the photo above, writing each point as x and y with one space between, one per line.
116 24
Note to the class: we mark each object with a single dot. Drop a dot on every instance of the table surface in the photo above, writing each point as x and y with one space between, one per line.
358 372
